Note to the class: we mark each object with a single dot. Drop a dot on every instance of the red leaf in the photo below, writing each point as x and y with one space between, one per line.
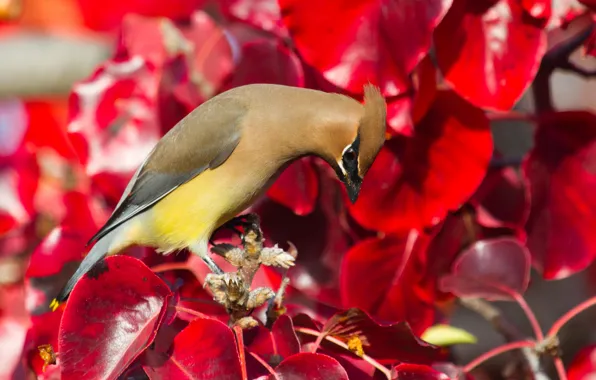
14 322
113 122
378 276
414 182
267 61
310 366
47 126
297 187
285 338
275 345
111 317
395 342
495 269
583 365
562 175
107 15
502 199
205 349
367 42
67 242
494 42
263 14
538 9
416 372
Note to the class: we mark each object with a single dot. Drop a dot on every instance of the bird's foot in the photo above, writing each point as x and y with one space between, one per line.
248 222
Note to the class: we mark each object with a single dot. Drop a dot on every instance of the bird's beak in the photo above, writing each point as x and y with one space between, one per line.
353 187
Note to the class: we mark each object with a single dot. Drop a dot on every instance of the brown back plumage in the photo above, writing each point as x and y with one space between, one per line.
371 130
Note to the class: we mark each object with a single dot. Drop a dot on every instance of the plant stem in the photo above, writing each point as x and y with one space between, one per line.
531 317
342 344
241 353
560 368
496 352
264 364
554 330
197 314
170 266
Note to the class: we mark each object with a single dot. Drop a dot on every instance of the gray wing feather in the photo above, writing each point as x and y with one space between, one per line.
203 140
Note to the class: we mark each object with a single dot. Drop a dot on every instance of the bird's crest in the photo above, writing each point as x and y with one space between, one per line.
371 130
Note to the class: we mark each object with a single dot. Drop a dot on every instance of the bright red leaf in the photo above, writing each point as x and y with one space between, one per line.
416 372
583 366
415 181
112 315
205 349
562 175
66 242
367 42
309 366
494 42
495 269
263 14
113 123
378 276
108 14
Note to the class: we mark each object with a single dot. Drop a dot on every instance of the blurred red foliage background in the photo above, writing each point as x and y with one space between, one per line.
443 213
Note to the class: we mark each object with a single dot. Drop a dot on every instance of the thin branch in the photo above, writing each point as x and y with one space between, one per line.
531 317
507 330
342 344
560 368
241 351
264 364
554 330
496 352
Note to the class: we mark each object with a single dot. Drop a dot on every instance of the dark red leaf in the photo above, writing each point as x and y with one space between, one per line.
495 269
112 315
502 199
267 61
310 366
379 276
297 187
107 15
562 175
387 343
494 42
416 372
583 366
264 14
367 42
415 181
284 336
276 344
205 349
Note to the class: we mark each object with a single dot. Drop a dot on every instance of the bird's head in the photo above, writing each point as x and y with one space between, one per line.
358 155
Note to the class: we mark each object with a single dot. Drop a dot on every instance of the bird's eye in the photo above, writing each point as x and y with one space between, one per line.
350 155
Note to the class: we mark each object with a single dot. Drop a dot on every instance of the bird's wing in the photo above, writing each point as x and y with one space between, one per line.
202 140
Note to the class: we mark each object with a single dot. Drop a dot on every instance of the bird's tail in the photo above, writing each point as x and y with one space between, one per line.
95 255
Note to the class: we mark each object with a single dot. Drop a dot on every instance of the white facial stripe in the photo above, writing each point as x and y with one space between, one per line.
341 166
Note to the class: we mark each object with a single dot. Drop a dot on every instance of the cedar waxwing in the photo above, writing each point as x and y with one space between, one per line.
226 153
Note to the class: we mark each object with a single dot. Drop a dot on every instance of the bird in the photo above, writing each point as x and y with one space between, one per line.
223 155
